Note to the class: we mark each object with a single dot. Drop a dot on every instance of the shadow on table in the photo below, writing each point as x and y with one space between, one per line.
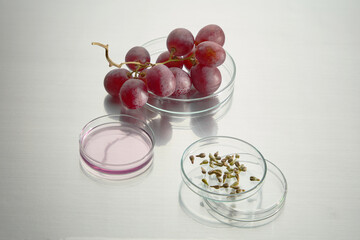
202 124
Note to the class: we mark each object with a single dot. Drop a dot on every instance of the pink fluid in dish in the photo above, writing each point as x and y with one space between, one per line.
117 149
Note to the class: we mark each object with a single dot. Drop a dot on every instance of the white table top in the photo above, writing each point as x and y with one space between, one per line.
296 99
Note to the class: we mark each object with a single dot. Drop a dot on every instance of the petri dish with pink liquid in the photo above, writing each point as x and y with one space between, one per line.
116 147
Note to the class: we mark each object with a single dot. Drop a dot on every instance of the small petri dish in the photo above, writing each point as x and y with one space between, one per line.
260 209
116 147
241 152
193 102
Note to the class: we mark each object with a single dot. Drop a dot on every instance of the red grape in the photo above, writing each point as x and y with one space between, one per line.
212 33
210 54
134 93
205 79
114 80
180 41
163 57
160 80
137 54
183 82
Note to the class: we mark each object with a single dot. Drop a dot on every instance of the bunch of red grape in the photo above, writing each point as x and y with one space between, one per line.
188 62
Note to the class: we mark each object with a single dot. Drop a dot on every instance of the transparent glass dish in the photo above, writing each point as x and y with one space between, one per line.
248 155
260 209
116 147
193 102
257 206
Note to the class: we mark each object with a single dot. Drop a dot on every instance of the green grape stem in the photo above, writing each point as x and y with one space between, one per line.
140 65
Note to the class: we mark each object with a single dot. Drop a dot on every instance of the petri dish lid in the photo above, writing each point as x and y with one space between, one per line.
260 209
116 147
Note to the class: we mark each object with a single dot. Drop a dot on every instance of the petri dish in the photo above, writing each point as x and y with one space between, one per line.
259 204
193 102
260 209
248 155
116 147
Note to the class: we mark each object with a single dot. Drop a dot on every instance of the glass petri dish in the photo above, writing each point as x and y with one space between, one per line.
193 205
193 102
247 154
116 147
260 209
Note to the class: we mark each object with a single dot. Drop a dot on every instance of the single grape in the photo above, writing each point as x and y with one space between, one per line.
134 94
212 33
189 63
205 79
137 54
163 57
114 80
161 81
183 82
180 41
210 54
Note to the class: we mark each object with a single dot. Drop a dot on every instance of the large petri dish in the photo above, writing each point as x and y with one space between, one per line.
193 102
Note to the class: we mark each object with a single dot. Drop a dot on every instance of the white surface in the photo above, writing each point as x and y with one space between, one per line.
296 99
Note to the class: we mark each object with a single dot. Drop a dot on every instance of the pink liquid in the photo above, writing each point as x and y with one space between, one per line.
117 149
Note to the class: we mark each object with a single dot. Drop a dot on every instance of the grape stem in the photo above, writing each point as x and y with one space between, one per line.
106 47
140 65
172 60
111 62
